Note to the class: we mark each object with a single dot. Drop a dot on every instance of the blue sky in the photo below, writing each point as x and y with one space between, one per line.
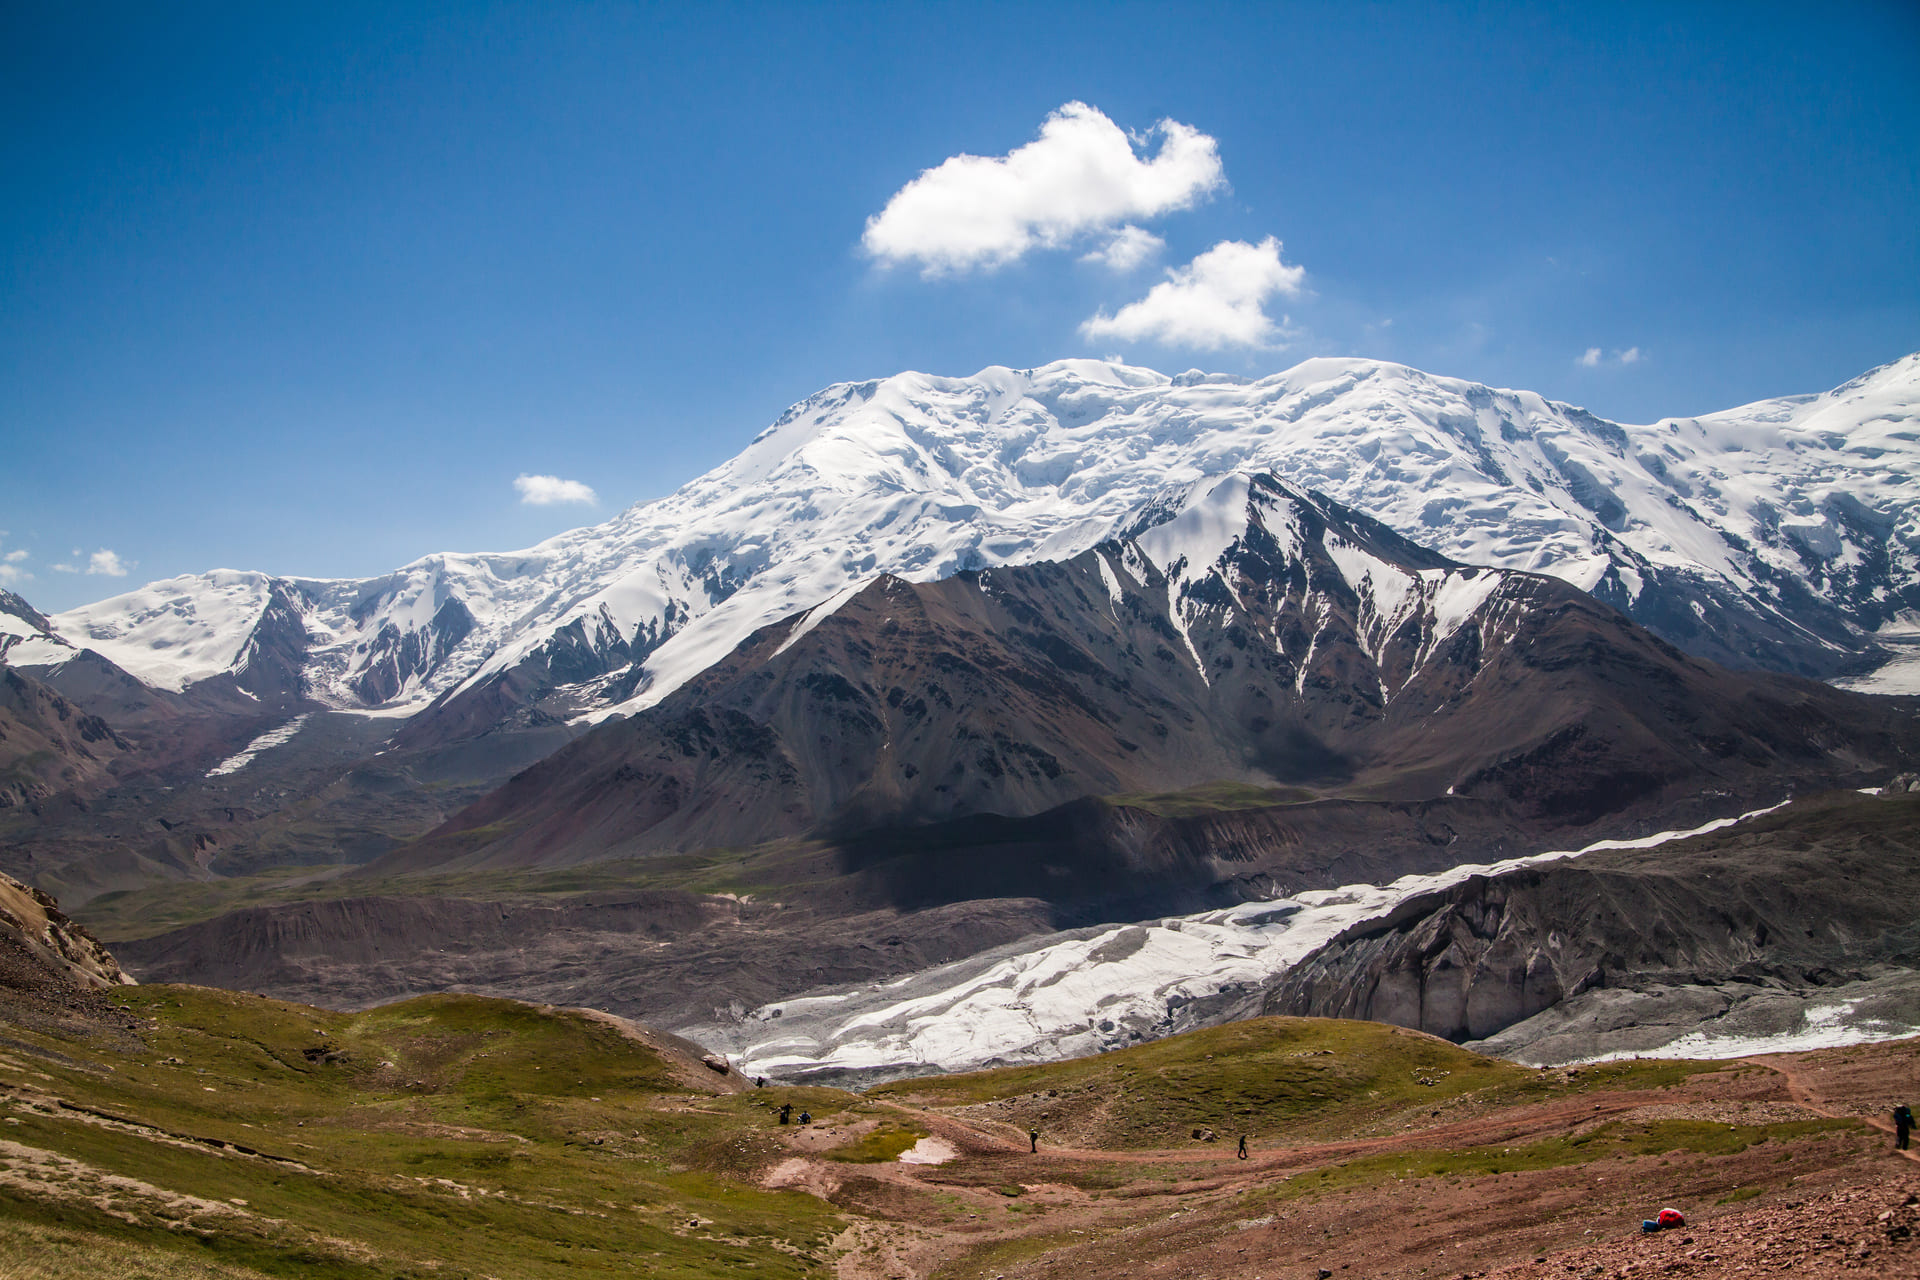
306 289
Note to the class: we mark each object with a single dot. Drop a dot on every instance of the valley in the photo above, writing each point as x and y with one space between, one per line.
1379 765
200 1133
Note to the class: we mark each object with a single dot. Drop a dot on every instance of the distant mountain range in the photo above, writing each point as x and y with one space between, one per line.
1246 633
936 664
1777 536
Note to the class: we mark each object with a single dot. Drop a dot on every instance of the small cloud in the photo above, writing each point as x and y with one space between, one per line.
15 557
1080 177
1129 247
11 573
548 491
1217 300
108 564
1593 358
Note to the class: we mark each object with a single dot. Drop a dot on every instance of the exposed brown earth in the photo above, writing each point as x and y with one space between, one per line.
48 744
1830 1202
671 957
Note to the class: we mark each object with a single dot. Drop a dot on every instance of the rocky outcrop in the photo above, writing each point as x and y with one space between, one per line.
1820 895
32 923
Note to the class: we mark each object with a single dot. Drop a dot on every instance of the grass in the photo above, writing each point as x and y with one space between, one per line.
1274 1079
994 1258
32 1251
1603 1142
445 1134
1212 797
154 909
886 1141
228 1136
140 913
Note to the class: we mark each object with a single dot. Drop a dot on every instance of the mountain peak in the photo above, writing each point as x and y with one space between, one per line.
1779 534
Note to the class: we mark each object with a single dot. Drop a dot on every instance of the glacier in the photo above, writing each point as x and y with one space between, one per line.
1802 510
1077 992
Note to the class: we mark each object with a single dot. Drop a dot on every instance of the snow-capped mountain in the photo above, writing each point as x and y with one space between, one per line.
1249 635
1780 534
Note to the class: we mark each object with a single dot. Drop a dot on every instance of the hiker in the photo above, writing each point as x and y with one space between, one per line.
1243 1146
786 1110
806 1117
1033 1141
1902 1126
761 1083
1667 1221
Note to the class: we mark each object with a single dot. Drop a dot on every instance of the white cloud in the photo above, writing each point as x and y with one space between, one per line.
547 491
1129 247
1080 176
1217 300
15 557
10 574
103 563
1594 358
108 564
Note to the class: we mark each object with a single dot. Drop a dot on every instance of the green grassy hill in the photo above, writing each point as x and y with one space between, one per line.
185 1133
1284 1080
445 1136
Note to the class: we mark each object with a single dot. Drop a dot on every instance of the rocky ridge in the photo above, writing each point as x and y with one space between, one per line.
1247 634
1622 951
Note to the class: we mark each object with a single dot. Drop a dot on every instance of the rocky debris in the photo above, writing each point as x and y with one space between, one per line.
69 954
661 956
1868 1231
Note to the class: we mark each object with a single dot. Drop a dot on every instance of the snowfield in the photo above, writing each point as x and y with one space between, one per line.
1808 498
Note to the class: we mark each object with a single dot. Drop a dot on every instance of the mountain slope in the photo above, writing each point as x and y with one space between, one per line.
1811 899
47 744
1252 634
1777 535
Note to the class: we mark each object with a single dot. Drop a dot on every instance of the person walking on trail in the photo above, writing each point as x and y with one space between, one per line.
1243 1147
1902 1126
786 1112
1033 1141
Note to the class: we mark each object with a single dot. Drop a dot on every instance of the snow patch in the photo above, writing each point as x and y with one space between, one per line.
1828 1026
275 737
818 614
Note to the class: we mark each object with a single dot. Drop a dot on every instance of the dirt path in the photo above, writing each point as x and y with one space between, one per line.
1198 1211
1506 1126
1802 1092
